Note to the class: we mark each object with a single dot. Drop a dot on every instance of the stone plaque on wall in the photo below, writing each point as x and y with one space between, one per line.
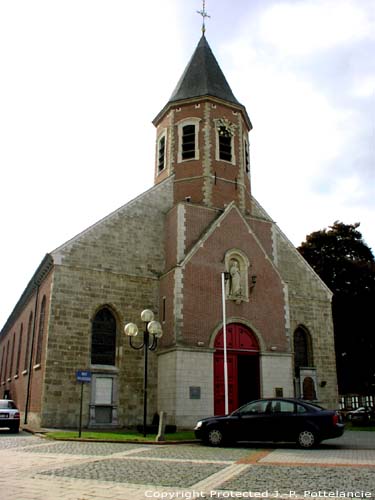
103 391
195 392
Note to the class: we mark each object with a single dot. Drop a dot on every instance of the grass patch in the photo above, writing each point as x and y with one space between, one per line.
349 426
120 436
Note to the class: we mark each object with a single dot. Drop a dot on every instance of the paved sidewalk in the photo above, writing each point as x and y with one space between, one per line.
33 468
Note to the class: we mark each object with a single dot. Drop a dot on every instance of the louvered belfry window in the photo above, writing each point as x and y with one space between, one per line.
225 144
161 154
188 142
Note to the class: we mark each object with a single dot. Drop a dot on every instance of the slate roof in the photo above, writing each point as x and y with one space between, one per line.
203 76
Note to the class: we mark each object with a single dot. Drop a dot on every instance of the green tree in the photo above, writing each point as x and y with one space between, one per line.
346 264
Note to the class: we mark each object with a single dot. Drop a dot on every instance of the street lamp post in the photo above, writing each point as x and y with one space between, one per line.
224 277
151 328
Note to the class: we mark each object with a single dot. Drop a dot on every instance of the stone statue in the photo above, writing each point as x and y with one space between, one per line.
235 279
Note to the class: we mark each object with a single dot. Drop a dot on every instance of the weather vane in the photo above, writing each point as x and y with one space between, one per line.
204 14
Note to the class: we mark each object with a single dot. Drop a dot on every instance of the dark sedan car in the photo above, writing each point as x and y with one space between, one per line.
278 419
9 415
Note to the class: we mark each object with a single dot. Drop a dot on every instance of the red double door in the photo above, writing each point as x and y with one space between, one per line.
242 367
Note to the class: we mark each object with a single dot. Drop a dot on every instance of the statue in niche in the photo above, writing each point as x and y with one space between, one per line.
235 280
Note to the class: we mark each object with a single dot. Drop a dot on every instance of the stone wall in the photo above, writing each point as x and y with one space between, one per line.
310 306
185 385
117 263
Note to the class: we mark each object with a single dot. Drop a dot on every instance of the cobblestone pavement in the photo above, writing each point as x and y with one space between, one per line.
33 468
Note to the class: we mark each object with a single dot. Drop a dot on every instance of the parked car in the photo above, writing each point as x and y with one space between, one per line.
361 414
9 415
276 419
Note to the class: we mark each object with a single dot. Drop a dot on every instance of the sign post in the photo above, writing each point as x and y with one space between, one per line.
84 377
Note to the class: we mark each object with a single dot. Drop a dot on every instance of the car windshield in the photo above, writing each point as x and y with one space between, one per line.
6 404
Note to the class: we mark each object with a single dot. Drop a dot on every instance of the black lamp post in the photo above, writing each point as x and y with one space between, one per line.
154 329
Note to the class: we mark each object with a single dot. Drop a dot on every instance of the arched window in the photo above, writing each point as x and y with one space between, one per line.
42 316
302 350
103 340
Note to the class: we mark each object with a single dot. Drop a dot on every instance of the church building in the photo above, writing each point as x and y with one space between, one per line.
195 241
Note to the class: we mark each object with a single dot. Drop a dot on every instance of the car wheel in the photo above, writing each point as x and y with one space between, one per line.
215 437
14 429
306 439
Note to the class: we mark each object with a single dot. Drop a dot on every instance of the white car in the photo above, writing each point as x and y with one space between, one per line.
9 415
362 414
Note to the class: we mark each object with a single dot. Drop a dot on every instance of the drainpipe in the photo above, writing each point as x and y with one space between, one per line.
28 390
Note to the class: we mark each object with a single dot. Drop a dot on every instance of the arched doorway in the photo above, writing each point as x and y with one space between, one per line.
243 368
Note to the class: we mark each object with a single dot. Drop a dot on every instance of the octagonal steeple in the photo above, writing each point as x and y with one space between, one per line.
202 137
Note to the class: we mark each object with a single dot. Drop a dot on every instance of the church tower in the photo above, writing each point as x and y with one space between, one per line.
202 137
203 151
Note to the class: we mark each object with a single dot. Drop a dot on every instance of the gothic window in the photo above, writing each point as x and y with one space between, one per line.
161 153
188 139
103 341
302 350
39 346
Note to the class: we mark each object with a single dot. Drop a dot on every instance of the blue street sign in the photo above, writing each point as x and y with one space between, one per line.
83 376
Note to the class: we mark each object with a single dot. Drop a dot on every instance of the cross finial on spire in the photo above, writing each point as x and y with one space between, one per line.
204 14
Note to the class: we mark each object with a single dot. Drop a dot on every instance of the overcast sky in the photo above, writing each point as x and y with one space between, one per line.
81 81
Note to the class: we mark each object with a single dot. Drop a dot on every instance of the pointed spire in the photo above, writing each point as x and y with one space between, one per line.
203 76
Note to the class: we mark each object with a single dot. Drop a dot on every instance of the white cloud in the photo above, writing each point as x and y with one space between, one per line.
364 88
301 28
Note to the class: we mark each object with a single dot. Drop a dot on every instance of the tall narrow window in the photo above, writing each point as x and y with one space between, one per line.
39 347
2 374
103 341
161 153
6 361
12 356
19 350
246 156
225 144
188 139
28 342
302 350
188 142
163 308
